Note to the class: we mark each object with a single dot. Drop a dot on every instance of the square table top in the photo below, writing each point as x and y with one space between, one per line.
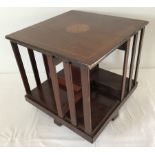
78 36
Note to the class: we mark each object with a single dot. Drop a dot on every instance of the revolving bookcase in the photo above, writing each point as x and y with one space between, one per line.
81 96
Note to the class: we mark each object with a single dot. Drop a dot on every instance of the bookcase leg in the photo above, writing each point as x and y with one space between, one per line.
85 81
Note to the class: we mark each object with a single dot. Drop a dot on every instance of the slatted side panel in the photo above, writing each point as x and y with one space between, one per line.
132 61
139 54
21 67
46 65
55 85
34 66
125 65
85 82
70 92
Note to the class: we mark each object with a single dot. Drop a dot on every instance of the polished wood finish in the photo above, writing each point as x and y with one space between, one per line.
21 67
104 108
34 66
55 85
62 84
46 65
125 65
85 82
139 54
105 33
108 83
132 60
82 96
70 92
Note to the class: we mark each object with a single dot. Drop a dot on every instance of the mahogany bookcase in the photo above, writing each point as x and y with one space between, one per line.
82 96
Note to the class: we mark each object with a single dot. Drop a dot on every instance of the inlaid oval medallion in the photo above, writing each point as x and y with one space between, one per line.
77 28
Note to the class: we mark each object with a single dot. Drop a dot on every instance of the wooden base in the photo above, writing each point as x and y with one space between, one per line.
105 106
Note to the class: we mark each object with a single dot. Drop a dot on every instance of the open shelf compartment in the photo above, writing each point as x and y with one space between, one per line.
105 89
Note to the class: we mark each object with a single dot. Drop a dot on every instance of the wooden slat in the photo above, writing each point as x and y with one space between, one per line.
85 82
55 85
21 67
125 65
46 65
70 92
34 66
132 60
139 54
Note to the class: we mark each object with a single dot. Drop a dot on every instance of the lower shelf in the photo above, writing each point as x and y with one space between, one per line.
103 106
